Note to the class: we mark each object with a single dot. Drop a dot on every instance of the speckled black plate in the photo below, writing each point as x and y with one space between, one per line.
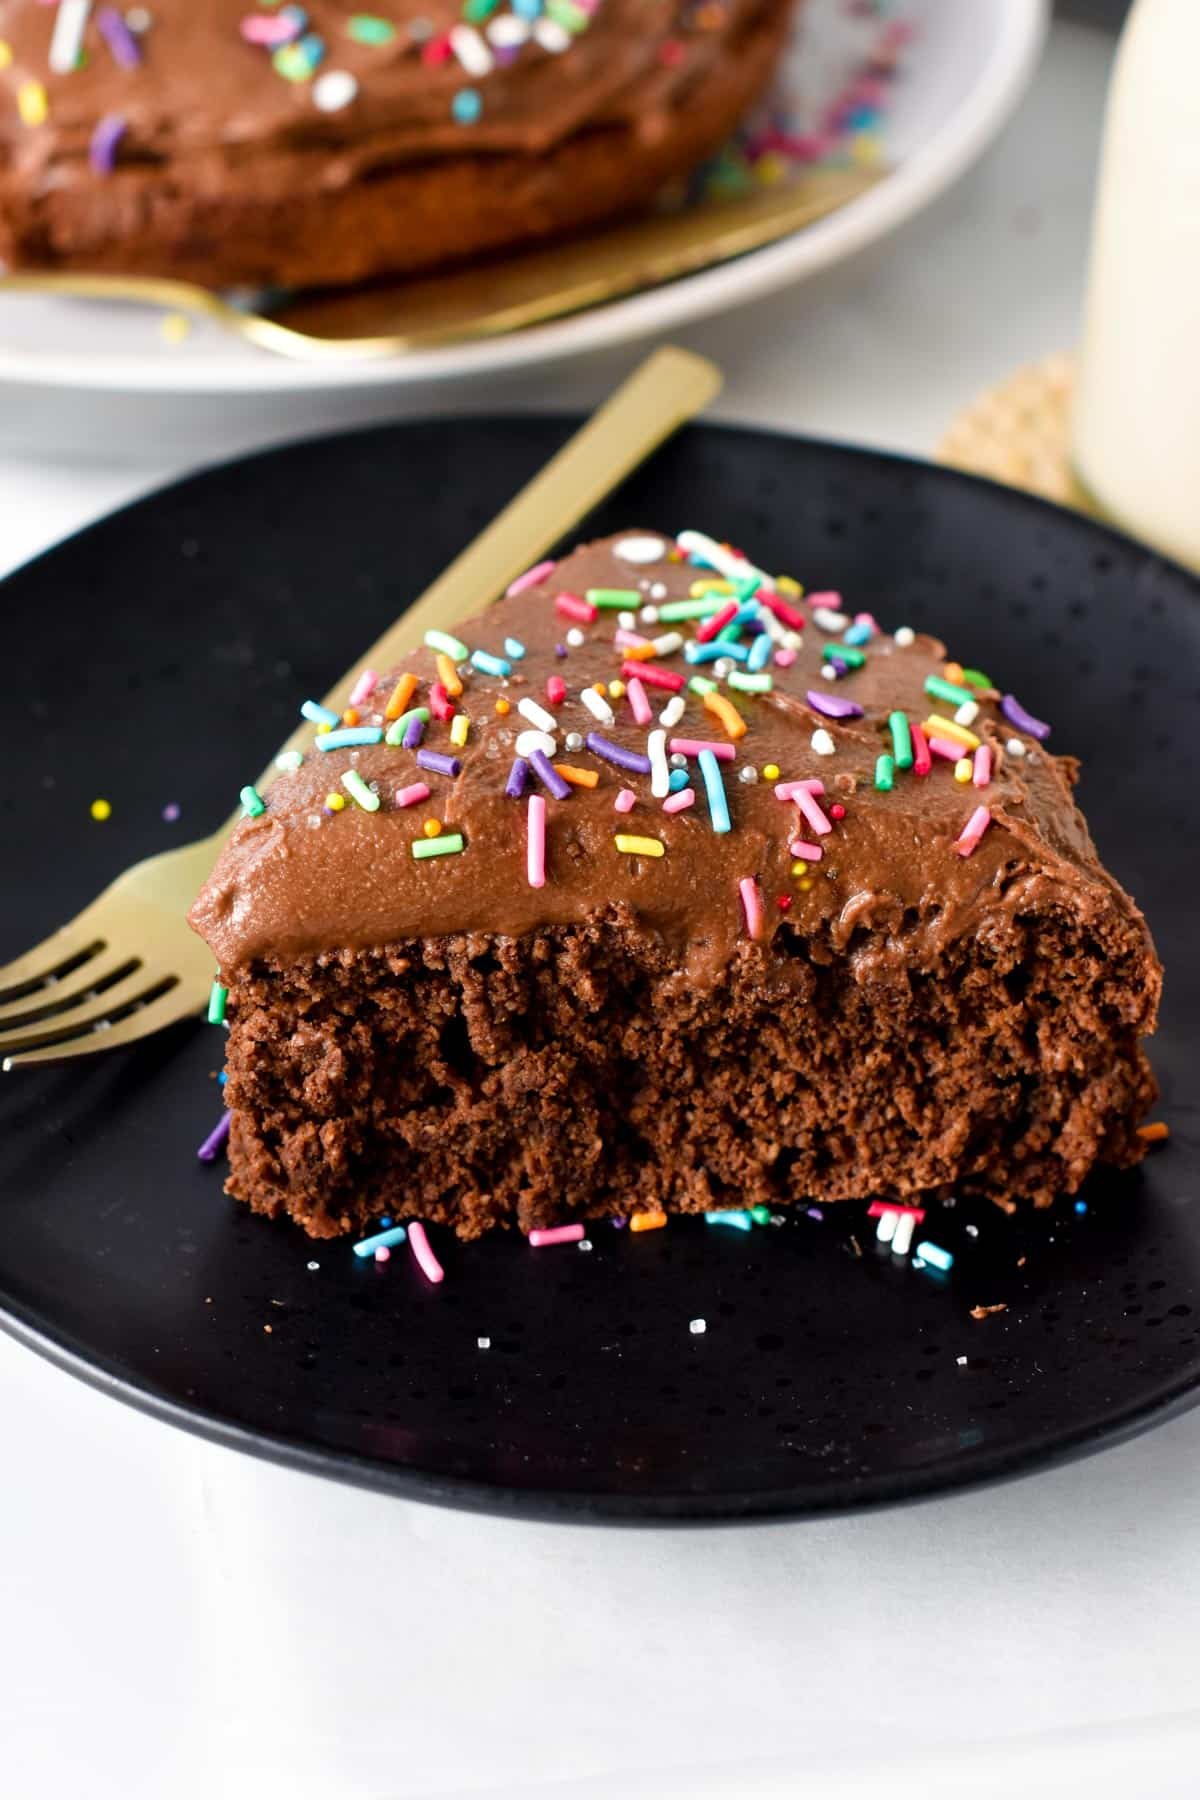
159 657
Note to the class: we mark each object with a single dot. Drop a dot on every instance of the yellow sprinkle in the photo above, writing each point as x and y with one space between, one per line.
577 777
674 555
616 690
335 802
432 828
350 716
785 585
724 710
448 675
866 150
770 771
174 327
963 769
700 590
771 168
502 707
805 884
648 1221
639 846
323 728
101 809
33 103
402 693
936 726
5 54
460 724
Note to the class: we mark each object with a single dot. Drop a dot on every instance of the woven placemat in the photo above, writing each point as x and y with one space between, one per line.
1019 433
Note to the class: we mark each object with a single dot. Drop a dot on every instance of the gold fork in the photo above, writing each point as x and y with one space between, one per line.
129 964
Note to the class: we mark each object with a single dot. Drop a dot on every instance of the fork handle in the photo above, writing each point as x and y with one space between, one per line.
666 390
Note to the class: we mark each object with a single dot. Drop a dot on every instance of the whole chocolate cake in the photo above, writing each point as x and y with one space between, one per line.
660 888
310 144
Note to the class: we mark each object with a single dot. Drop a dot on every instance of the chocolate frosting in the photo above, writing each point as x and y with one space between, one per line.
202 92
890 885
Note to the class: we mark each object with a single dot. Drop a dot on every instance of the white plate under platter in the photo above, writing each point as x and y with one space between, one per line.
967 69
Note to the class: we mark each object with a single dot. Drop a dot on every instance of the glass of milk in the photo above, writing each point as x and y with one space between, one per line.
1137 412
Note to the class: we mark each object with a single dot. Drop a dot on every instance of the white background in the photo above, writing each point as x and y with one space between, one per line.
179 1621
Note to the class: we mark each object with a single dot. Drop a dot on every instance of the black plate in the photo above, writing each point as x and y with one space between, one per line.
159 657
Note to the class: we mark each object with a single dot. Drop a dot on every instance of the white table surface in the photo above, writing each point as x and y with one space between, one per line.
177 1621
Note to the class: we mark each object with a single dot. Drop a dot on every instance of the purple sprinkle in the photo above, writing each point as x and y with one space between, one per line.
619 1223
560 649
171 811
814 1212
414 731
441 765
548 775
516 778
120 40
839 667
1016 715
613 753
215 1139
833 706
102 150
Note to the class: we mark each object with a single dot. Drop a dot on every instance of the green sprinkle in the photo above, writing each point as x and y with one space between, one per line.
976 679
761 1215
672 612
449 645
365 28
476 11
729 634
751 684
358 790
252 802
885 770
902 750
296 62
395 732
853 659
218 995
748 587
568 15
447 845
614 599
937 689
700 684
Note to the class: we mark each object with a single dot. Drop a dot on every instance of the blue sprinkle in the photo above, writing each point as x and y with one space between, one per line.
489 664
466 106
527 9
739 1220
320 715
384 1222
857 634
1081 1206
223 1077
677 779
760 652
352 734
706 653
515 648
933 1253
382 1240
718 806
745 615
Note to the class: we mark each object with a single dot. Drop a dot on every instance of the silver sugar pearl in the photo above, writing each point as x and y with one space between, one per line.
723 667
747 773
678 760
574 740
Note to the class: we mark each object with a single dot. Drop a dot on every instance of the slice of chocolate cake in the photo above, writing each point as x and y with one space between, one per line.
658 888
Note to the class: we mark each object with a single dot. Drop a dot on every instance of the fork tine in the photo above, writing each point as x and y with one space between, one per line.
98 973
82 1020
52 959
170 1005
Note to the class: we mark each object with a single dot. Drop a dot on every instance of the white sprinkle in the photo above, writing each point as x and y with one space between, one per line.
906 636
967 713
885 1231
673 711
658 590
627 621
508 32
289 759
537 715
67 39
700 547
552 36
822 743
584 1244
314 821
312 1267
138 20
484 1343
574 740
1015 747
792 640
649 614
697 1327
333 90
529 741
597 705
829 620
723 667
668 643
660 774
471 50
640 549
961 1361
828 672
902 1242
972 1231
575 637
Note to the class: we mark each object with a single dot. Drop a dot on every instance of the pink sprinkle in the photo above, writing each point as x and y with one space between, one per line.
440 703
708 628
974 829
751 905
807 852
408 796
635 693
536 845
574 606
787 790
814 818
556 1234
679 801
556 690
625 801
531 577
628 640
422 1249
659 678
693 747
948 748
383 1254
787 615
868 619
831 601
269 33
784 658
922 762
877 1209
363 688
982 772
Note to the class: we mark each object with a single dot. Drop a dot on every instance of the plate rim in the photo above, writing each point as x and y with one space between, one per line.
974 121
1171 1398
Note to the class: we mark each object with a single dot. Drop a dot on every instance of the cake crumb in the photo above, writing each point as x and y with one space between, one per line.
985 1312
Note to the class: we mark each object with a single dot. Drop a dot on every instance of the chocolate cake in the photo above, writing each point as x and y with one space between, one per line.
779 908
314 144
